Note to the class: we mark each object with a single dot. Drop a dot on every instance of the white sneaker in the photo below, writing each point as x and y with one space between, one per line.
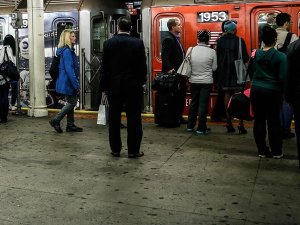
13 108
277 156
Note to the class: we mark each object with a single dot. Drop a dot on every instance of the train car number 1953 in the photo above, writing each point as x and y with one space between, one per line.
210 17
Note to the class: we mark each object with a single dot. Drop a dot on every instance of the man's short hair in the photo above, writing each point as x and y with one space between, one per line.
124 23
172 23
281 18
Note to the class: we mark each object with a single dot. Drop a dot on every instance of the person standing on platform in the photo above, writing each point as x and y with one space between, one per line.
203 63
284 38
227 53
267 73
9 45
124 74
67 82
172 55
292 90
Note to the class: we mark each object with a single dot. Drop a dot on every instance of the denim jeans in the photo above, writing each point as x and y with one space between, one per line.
200 98
68 110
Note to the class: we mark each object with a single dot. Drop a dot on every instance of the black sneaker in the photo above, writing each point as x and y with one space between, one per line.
74 129
56 126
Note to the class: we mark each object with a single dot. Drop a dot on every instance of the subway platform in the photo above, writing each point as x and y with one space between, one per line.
48 178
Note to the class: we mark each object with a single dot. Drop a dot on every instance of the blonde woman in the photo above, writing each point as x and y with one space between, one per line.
67 82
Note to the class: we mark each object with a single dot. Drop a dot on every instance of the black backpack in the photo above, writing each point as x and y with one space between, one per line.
286 43
53 71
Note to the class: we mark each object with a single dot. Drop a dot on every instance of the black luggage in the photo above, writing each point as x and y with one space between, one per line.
167 110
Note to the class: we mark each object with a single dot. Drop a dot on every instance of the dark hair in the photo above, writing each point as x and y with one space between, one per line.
124 23
281 18
203 36
268 36
10 40
171 23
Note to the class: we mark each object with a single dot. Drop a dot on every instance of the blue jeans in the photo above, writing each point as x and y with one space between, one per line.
68 110
199 105
286 117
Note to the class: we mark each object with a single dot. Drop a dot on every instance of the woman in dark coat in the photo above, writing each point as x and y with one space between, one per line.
227 53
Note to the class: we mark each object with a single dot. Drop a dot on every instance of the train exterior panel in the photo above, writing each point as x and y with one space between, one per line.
251 16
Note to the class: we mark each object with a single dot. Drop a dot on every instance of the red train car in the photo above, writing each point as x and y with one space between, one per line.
196 15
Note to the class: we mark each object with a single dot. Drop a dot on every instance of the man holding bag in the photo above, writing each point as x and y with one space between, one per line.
124 74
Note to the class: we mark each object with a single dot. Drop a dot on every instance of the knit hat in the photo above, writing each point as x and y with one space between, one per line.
229 26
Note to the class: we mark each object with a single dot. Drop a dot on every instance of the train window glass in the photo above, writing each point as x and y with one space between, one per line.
162 32
99 33
2 23
62 26
266 19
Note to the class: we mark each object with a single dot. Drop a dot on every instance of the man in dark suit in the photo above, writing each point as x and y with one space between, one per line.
124 74
172 55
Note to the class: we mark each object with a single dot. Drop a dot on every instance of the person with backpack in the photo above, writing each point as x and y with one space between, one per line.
67 82
284 38
8 50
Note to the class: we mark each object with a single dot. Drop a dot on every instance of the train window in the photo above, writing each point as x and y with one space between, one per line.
162 31
99 33
266 19
2 24
61 26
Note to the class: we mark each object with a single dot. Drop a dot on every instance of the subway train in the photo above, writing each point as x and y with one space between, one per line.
95 22
196 15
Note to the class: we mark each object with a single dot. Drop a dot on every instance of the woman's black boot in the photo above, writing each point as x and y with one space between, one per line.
230 128
242 129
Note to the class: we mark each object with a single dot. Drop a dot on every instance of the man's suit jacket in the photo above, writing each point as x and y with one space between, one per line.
171 54
123 64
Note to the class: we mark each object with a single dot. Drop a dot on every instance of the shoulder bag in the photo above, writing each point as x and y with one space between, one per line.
185 68
8 68
240 67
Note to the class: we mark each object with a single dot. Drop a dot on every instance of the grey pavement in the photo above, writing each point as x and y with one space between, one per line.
71 179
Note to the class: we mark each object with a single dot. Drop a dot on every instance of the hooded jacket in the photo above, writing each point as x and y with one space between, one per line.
269 69
68 79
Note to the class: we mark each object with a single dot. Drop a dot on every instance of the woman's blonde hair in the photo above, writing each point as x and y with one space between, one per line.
64 38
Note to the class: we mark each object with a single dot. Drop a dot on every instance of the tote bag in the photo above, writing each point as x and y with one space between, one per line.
240 67
185 68
102 118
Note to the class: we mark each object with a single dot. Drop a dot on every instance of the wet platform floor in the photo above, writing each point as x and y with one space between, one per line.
70 178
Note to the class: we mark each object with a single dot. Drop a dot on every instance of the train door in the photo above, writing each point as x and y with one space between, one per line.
262 16
295 12
159 32
53 100
103 26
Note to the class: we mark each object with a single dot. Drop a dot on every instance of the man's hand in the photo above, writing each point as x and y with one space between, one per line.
171 71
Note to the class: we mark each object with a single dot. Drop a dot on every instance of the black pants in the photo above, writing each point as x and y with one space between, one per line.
296 107
132 100
182 95
266 106
199 105
14 92
4 101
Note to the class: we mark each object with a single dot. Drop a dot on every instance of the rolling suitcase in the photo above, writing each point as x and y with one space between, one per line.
167 110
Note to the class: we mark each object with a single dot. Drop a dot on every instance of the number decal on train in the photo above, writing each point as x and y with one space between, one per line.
210 17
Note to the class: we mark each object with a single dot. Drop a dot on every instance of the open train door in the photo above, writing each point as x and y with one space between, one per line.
263 15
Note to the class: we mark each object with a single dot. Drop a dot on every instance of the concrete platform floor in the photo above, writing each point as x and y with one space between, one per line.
70 179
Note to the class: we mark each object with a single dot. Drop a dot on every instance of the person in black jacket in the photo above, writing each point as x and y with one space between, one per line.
292 90
172 55
227 53
124 74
